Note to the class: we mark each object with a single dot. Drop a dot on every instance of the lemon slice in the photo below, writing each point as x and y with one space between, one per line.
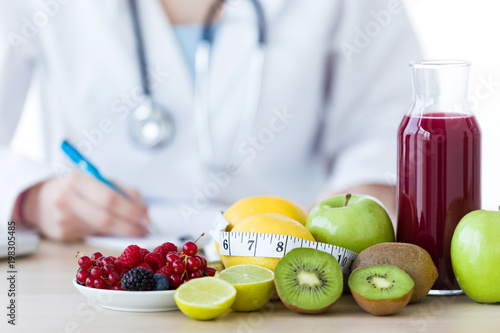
254 286
205 298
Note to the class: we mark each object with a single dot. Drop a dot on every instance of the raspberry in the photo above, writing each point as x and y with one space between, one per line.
144 253
155 260
165 270
161 282
165 248
131 256
138 279
146 266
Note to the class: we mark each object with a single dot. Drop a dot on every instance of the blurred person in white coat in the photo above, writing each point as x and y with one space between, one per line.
334 87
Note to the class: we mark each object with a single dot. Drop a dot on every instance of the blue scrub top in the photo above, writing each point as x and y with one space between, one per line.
188 36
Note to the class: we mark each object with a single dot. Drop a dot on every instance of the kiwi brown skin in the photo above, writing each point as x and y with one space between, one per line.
305 311
382 307
412 259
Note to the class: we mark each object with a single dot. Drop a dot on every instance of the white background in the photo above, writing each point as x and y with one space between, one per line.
466 29
460 29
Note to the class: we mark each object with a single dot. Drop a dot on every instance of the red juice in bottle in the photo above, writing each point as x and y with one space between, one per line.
439 162
438 174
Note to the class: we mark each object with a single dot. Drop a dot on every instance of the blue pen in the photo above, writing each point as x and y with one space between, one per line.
87 167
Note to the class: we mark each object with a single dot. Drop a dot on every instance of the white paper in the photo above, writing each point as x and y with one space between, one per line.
172 228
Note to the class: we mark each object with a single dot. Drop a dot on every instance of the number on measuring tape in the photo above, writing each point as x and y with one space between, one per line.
249 244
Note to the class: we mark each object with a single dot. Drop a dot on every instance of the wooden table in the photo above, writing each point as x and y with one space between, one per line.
48 302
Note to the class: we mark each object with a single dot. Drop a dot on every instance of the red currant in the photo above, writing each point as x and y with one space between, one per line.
96 272
99 283
195 274
108 269
117 287
190 248
193 264
112 258
114 278
210 271
99 262
96 256
89 282
85 263
186 279
171 257
82 276
107 261
203 262
174 281
179 267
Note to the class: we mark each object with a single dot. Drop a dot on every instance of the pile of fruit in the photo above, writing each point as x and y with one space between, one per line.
384 278
137 269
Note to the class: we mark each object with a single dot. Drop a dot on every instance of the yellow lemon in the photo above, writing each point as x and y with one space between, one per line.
266 224
264 204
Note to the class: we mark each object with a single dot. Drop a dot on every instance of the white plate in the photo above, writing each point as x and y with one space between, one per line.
134 301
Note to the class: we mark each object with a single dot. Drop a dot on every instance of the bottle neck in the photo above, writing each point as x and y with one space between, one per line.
440 87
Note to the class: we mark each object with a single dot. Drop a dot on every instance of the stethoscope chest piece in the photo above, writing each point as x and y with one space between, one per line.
151 125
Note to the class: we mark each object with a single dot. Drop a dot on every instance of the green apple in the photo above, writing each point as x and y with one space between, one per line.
475 255
354 222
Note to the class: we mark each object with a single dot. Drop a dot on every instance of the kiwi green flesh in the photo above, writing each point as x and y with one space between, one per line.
381 289
380 282
308 280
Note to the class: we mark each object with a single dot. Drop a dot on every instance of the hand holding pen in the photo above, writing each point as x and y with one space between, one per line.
80 204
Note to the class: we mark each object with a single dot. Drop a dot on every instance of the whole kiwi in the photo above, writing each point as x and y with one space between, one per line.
412 259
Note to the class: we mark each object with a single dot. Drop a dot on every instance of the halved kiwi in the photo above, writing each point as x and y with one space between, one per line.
381 289
308 280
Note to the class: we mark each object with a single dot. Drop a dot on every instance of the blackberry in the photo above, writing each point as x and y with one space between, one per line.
138 279
161 282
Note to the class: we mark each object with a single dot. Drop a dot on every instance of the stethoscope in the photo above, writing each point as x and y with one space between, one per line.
153 126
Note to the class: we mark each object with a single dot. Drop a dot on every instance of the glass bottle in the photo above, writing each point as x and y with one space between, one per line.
439 162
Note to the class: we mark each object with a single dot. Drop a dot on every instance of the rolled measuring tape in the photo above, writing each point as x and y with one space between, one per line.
249 244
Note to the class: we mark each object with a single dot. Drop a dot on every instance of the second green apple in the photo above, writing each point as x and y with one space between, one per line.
354 222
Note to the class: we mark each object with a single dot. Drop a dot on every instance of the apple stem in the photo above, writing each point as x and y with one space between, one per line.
347 197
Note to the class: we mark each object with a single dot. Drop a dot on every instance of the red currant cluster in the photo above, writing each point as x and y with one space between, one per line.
186 265
100 272
178 267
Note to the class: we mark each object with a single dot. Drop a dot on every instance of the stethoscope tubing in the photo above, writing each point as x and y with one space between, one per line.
201 81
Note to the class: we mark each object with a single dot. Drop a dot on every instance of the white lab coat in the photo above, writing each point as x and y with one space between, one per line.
335 87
